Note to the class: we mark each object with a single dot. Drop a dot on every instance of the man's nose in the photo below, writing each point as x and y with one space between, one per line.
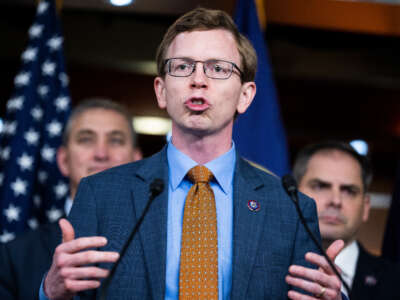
198 77
336 198
101 151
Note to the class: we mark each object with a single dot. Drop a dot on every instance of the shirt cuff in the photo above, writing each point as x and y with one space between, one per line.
42 295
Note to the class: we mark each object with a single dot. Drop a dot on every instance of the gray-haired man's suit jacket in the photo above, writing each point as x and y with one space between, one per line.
265 242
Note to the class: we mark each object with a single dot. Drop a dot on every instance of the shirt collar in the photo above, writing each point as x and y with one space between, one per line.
67 205
347 260
222 167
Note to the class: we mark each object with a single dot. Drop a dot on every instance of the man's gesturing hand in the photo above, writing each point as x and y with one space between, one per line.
69 272
321 283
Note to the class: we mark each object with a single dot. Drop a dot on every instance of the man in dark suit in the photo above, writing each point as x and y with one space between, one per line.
206 76
99 135
337 177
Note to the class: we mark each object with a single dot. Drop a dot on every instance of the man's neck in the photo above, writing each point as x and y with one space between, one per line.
202 149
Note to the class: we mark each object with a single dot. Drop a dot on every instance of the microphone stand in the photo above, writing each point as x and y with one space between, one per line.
156 187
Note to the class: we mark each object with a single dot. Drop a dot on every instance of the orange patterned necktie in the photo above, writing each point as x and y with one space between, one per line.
198 273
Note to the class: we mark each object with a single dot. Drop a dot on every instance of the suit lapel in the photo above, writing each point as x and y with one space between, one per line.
155 222
247 226
366 278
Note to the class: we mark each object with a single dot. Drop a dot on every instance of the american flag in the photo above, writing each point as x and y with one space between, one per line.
32 190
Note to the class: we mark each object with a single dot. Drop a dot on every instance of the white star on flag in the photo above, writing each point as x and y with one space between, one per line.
22 78
48 153
64 79
32 128
10 127
37 200
62 103
15 103
19 187
37 113
32 137
61 189
6 236
35 31
42 176
42 7
43 90
55 43
12 213
48 68
5 153
29 54
54 214
25 162
33 223
54 128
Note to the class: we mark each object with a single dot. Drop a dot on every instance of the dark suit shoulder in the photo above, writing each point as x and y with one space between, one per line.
375 278
24 261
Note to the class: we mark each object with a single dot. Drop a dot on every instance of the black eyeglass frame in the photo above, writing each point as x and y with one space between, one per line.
194 64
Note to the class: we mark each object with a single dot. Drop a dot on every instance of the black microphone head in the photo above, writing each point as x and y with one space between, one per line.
289 184
156 186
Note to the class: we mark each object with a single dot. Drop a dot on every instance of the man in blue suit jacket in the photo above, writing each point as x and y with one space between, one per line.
206 71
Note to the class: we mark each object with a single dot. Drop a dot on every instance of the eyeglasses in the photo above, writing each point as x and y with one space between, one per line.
213 68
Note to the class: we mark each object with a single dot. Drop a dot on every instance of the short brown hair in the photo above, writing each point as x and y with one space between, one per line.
201 19
304 156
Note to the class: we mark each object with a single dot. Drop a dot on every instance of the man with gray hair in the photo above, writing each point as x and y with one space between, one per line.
98 135
337 177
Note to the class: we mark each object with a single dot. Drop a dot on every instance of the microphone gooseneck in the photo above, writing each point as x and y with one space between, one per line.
156 188
290 186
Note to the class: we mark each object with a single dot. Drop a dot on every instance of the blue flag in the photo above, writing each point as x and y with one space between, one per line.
32 190
259 134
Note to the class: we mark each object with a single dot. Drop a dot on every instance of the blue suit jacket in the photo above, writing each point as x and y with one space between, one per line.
265 243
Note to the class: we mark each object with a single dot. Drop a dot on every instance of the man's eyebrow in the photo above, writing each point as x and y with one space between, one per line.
117 132
352 187
84 131
319 181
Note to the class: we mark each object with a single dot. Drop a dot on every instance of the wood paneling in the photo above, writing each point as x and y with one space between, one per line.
336 15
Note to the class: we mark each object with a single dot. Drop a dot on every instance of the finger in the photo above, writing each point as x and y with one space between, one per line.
89 257
84 273
311 275
321 262
75 286
68 233
82 244
334 249
311 287
295 295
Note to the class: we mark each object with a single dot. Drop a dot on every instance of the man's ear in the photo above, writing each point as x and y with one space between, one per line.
62 161
159 89
367 206
247 93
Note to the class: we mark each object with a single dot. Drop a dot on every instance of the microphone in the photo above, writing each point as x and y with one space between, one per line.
156 188
290 186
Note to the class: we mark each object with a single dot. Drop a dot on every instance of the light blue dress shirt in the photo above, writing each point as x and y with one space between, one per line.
178 186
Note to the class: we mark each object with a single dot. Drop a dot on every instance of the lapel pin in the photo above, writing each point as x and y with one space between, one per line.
370 280
253 205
